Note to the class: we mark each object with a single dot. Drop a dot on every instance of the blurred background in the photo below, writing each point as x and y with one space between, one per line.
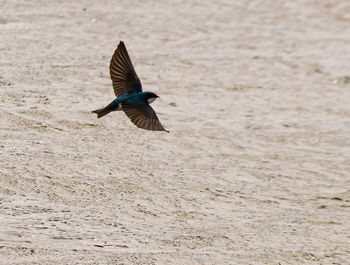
255 169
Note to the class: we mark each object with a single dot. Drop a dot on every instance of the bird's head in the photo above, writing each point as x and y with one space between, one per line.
150 96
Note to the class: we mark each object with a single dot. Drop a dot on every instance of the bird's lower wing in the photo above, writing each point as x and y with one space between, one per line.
143 116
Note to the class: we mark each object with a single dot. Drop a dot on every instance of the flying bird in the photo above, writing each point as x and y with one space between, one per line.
128 89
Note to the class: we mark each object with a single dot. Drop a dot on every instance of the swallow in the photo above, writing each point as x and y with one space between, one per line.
129 95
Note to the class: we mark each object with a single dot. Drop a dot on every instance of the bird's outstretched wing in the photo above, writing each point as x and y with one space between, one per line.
123 75
143 116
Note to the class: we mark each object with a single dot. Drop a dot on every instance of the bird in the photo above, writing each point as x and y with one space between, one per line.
129 95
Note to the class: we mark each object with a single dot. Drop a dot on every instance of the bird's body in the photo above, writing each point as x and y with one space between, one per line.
144 98
130 97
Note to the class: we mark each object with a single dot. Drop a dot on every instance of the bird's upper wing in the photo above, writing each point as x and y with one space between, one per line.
143 116
123 75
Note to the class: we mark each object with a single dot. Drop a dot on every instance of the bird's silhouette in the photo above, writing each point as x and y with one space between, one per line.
128 89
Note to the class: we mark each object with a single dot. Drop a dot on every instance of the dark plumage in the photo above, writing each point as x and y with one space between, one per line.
130 97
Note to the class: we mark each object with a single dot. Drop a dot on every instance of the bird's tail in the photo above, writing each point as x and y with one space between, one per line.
103 111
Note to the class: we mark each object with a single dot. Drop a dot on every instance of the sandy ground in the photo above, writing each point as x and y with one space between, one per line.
255 170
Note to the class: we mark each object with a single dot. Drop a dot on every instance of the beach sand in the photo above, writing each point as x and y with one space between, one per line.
255 169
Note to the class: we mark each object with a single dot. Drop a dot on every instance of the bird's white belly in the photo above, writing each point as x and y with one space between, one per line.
150 100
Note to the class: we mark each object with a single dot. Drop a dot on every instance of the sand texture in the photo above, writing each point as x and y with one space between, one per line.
255 169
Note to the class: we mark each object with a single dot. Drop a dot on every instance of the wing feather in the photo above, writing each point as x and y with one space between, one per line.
143 116
123 74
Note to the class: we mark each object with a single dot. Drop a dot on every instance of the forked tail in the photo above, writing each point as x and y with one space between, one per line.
102 112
